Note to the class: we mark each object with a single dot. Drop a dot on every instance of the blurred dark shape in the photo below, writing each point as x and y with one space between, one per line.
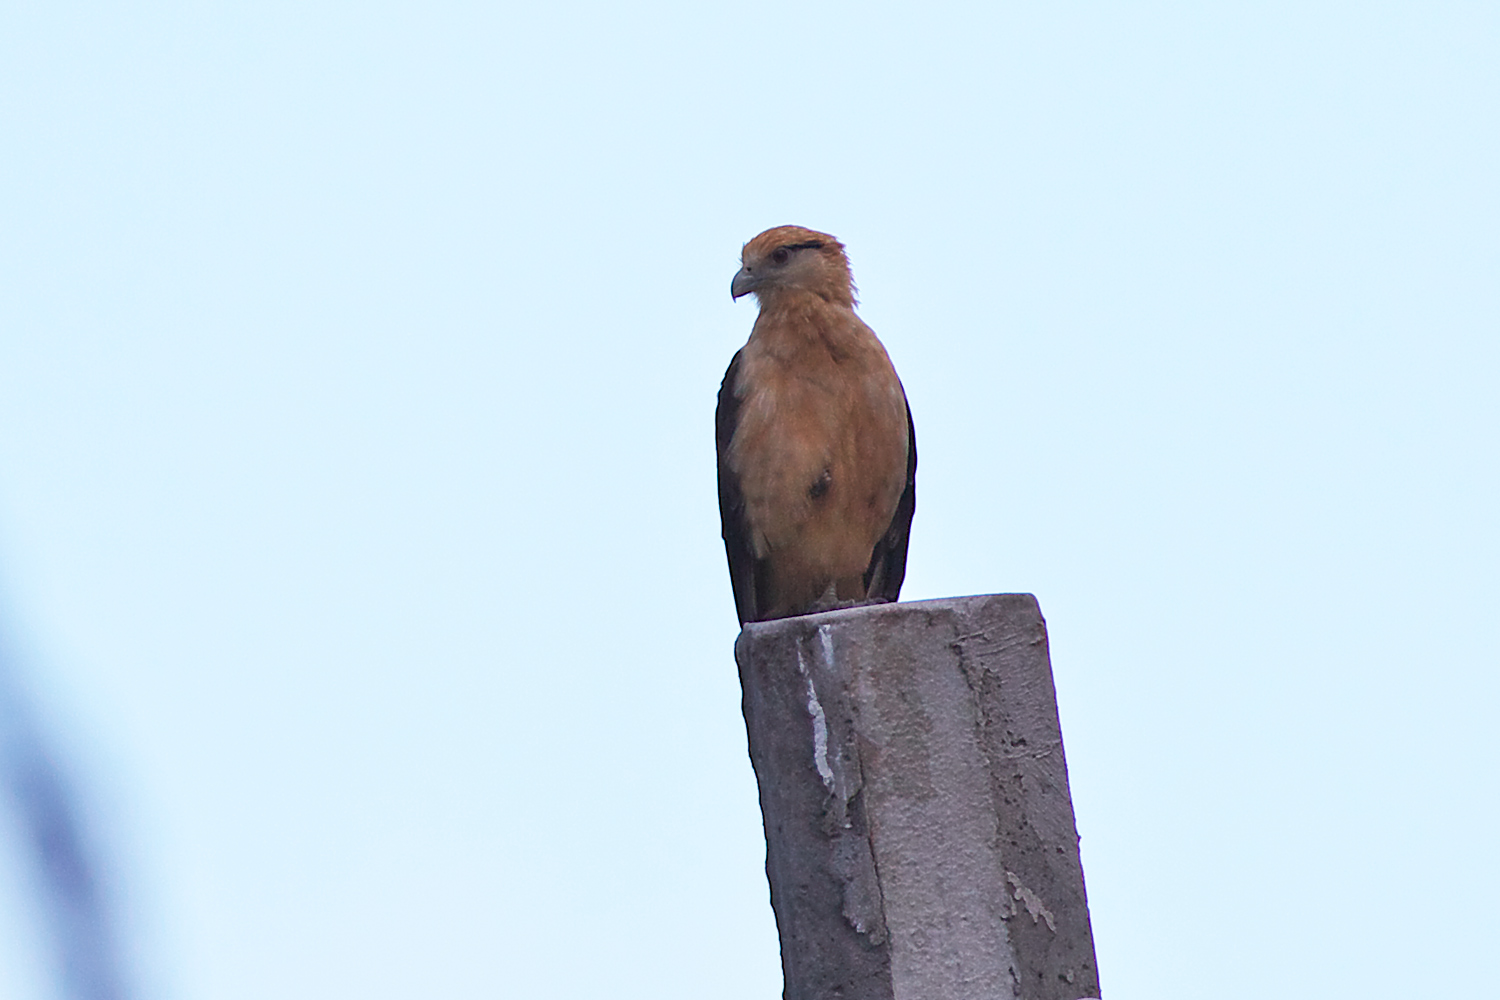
85 957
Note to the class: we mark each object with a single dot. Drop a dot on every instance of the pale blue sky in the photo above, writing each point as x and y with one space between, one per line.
357 508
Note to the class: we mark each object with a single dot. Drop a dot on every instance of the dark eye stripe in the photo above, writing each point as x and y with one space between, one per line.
809 245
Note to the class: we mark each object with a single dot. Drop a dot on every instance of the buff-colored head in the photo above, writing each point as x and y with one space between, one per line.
790 259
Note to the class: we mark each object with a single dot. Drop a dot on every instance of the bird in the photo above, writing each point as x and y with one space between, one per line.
817 451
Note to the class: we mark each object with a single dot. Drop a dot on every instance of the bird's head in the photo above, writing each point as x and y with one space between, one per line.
792 259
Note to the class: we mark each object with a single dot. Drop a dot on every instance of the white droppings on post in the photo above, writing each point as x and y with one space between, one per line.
825 639
1034 904
819 720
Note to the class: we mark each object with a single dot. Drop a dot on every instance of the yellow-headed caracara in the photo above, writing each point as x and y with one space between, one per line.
817 452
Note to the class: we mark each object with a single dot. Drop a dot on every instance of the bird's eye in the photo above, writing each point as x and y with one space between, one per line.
781 255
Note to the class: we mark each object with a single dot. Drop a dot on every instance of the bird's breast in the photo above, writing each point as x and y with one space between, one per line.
819 450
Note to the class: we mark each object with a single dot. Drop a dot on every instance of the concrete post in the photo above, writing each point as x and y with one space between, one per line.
920 842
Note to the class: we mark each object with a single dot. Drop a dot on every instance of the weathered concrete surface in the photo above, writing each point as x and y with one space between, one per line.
920 841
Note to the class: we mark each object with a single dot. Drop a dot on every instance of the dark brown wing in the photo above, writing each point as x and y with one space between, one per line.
888 561
742 568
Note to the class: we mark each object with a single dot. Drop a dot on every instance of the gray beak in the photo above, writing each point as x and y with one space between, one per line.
743 284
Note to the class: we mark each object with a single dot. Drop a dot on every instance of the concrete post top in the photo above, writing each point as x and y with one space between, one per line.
920 836
1003 605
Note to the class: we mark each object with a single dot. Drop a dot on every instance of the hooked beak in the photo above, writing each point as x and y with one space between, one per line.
743 284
